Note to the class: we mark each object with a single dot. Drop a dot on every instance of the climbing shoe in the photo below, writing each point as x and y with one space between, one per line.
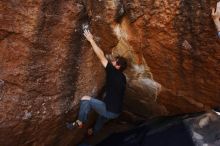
90 132
76 124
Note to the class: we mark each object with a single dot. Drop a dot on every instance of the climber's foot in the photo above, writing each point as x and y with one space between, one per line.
76 124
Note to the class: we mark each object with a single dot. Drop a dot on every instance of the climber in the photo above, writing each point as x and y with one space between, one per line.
111 107
216 17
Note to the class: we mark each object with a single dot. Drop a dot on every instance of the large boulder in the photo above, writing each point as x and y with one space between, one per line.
47 65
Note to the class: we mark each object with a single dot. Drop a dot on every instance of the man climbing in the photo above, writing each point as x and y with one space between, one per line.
216 17
111 107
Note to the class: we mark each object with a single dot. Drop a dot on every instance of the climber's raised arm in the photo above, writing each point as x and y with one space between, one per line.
96 49
216 17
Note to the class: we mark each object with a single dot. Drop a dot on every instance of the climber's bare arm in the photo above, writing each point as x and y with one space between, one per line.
216 16
95 48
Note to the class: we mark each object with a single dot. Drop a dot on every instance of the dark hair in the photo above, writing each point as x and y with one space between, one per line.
122 62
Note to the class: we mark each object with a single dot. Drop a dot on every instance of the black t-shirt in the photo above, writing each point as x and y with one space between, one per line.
115 89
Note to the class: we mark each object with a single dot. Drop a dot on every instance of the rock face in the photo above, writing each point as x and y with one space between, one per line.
188 130
47 65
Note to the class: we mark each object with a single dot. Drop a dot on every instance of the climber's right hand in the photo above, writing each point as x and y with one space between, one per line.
88 35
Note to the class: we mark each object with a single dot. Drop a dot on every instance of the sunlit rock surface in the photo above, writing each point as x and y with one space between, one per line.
47 66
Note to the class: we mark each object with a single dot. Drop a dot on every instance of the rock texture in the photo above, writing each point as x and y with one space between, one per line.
187 130
47 65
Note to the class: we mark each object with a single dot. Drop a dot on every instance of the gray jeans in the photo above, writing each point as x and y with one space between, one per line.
99 107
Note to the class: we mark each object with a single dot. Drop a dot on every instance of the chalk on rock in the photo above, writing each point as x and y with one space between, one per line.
2 83
186 45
